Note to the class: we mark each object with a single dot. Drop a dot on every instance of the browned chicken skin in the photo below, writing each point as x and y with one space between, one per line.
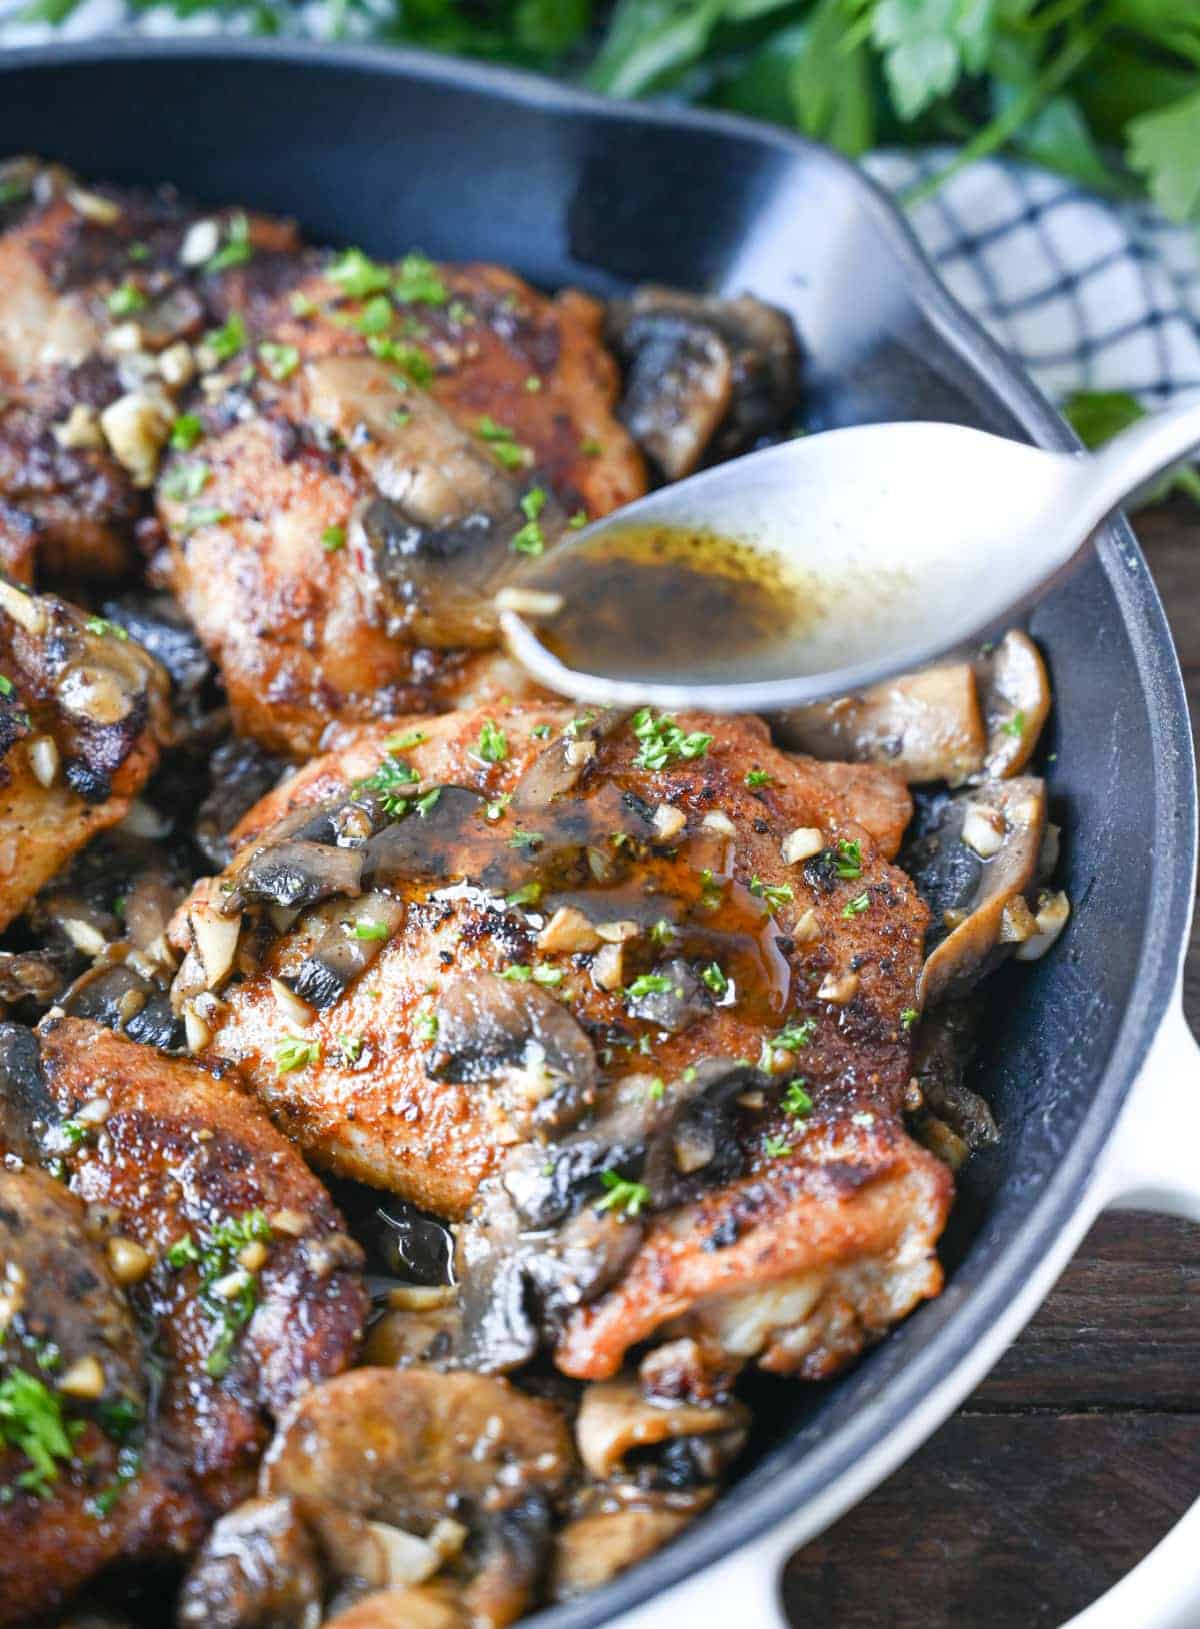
237 1272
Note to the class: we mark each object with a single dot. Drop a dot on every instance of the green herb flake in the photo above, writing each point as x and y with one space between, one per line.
548 976
578 520
847 860
662 740
7 688
1014 726
529 540
106 629
203 514
229 340
758 777
125 300
518 973
237 248
357 276
715 979
502 442
186 432
280 361
525 839
425 1025
294 1052
182 1252
776 1148
492 745
32 1422
775 894
541 732
857 905
794 1036
186 480
427 800
333 538
647 984
622 1196
663 931
418 282
533 502
415 367
533 384
796 1101
376 316
366 929
529 894
908 1018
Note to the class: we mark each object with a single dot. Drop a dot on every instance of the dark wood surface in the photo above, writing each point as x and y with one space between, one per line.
1083 1445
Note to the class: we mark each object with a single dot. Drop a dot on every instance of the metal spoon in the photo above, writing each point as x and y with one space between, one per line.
908 539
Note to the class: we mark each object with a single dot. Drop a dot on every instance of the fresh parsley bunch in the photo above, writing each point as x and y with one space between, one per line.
1106 91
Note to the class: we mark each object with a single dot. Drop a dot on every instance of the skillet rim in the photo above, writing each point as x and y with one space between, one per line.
742 1514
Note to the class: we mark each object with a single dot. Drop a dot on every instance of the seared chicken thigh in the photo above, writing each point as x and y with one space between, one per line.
517 966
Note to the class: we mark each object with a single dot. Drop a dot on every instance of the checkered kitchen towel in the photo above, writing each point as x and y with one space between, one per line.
1088 294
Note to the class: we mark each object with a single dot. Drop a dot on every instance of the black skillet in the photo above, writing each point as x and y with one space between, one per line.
395 150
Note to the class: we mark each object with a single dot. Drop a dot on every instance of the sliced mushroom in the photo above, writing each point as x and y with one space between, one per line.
34 976
119 997
599 1544
945 1044
350 935
439 842
490 1028
927 725
705 376
432 1606
438 534
557 769
979 897
683 1002
1015 693
260 1568
26 1104
620 1432
411 1447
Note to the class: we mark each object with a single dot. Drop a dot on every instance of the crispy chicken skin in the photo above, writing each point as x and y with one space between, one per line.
83 714
184 1174
411 1070
301 520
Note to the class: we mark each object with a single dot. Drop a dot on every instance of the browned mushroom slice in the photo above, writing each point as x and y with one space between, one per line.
952 1120
705 376
433 1606
976 862
623 1529
260 1566
621 1432
441 531
1015 692
412 1448
927 725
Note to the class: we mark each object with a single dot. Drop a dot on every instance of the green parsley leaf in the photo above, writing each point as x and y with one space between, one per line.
525 839
127 299
774 894
529 540
776 1148
529 894
624 1197
794 1036
518 973
7 688
663 931
182 1252
185 480
1014 726
281 361
758 777
502 442
663 741
492 745
909 1017
410 738
105 628
32 1422
425 1025
186 432
376 316
357 276
549 976
796 1101
848 860
578 520
333 538
533 502
857 905
364 929
414 365
647 984
294 1052
226 342
237 248
714 978
418 282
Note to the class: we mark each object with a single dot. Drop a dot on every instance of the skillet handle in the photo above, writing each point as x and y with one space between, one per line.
1154 1164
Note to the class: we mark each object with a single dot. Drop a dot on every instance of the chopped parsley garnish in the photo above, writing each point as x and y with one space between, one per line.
410 359
236 249
647 984
107 629
333 538
657 1089
1015 726
847 859
497 806
357 275
301 304
187 480
458 311
418 282
533 502
492 745
389 781
425 1025
578 520
127 299
370 930
774 894
376 316
624 1197
502 442
31 1421
540 732
427 800
793 1036
227 341
280 361
186 432
857 905
549 976
182 1252
776 1148
294 1052
351 1047
73 1132
204 514
758 777
714 978
662 932
129 1465
525 839
529 894
710 890
533 384
663 741
229 1291
909 1017
529 539
591 448
518 973
7 688
796 1101
410 738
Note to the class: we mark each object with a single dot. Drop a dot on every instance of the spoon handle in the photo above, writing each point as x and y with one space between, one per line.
1135 458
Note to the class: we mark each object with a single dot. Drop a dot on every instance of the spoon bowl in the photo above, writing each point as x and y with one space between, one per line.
891 545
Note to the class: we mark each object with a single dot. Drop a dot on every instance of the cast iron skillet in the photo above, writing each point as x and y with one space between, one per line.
392 151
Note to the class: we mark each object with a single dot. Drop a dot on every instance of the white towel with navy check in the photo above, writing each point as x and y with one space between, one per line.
1087 293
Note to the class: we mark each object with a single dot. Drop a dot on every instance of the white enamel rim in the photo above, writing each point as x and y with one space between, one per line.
1140 1169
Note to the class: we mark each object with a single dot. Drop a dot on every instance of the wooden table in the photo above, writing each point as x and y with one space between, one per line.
1083 1445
